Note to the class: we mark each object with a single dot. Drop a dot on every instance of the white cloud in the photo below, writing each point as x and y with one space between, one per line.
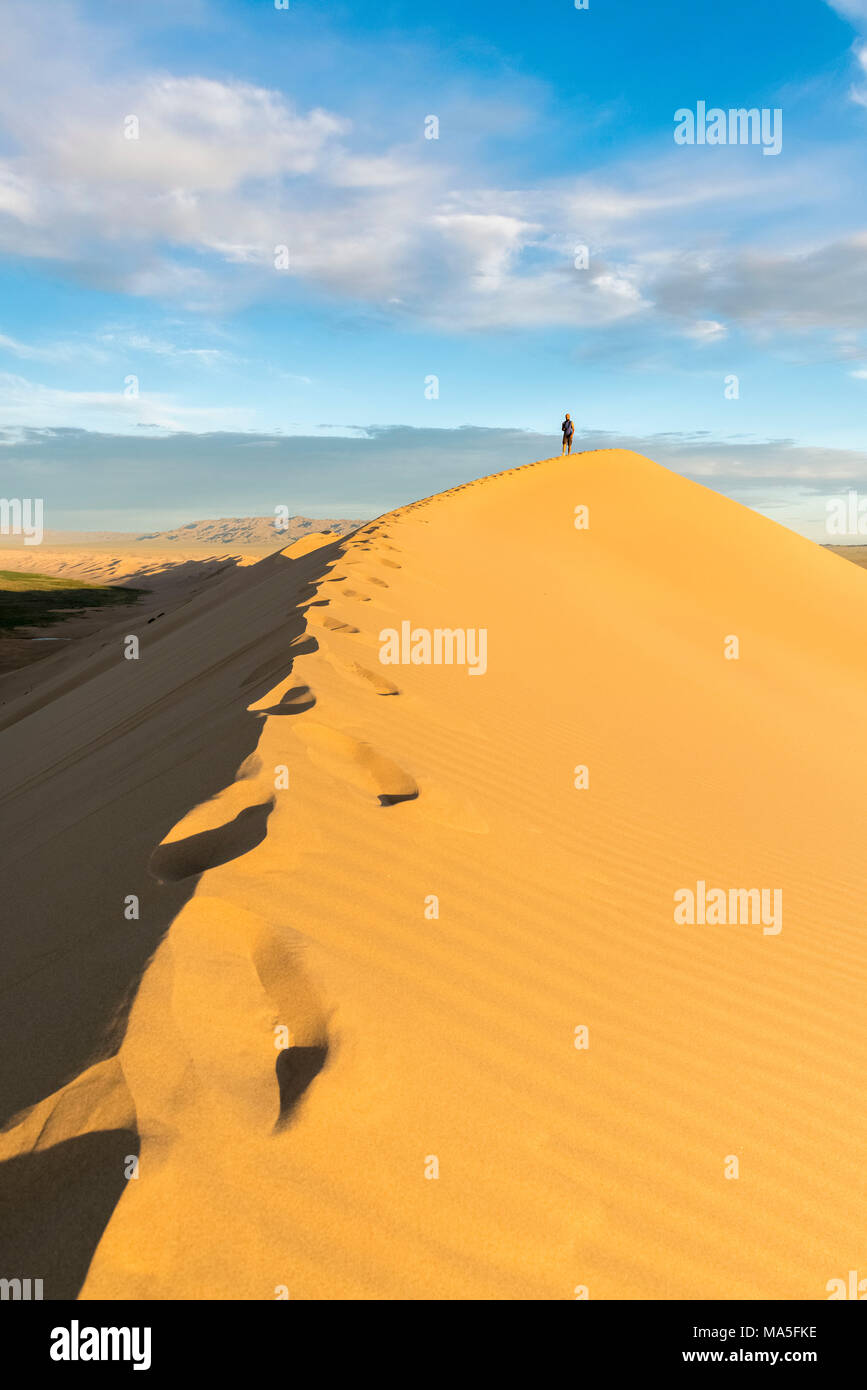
706 331
855 10
61 352
26 403
162 347
104 347
75 350
858 90
225 171
194 134
820 287
16 197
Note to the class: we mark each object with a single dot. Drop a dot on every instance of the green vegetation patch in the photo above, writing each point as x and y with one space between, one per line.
37 600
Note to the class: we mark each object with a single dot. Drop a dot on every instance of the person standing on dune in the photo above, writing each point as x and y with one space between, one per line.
568 430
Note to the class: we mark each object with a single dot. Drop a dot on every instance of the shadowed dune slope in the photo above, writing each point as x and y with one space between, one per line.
390 869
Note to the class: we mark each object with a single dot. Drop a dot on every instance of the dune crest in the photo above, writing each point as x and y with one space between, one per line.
421 1022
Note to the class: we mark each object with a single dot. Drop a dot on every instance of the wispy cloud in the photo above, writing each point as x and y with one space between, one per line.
136 342
855 10
27 403
64 352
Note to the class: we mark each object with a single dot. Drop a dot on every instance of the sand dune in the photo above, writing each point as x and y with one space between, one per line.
167 578
168 566
286 808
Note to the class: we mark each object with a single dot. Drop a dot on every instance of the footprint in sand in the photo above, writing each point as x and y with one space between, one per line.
354 593
295 701
337 625
214 1000
286 697
357 763
371 679
193 855
299 1006
296 1068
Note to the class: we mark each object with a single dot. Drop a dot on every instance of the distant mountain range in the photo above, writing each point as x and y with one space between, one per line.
249 530
220 532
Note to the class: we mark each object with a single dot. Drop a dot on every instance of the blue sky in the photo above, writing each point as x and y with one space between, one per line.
153 258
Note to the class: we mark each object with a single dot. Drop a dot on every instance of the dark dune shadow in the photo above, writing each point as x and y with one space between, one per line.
184 858
296 1068
55 1205
70 962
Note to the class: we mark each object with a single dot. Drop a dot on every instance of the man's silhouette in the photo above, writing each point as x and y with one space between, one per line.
568 430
